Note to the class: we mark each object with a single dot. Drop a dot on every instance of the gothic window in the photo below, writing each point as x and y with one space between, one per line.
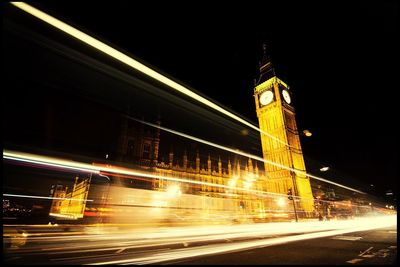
146 151
290 121
131 148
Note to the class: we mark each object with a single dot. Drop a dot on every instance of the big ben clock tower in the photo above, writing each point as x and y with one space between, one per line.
279 136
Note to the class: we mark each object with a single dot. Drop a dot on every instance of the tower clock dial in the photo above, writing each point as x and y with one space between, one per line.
286 96
266 97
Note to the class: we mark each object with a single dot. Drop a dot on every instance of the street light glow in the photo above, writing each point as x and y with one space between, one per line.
324 169
307 133
281 202
174 191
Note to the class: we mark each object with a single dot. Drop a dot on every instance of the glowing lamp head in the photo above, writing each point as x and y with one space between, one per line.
174 191
232 183
307 133
324 169
281 202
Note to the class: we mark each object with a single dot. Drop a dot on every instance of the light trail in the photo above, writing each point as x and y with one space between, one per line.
161 78
41 160
49 161
40 197
244 154
44 160
133 63
215 249
160 244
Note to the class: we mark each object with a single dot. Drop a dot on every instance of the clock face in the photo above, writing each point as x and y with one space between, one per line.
266 97
286 96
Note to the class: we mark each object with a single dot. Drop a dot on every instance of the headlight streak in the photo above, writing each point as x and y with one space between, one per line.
244 154
140 238
44 160
173 236
40 197
54 162
133 63
216 249
32 158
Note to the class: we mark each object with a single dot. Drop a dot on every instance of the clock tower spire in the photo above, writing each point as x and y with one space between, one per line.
276 116
267 70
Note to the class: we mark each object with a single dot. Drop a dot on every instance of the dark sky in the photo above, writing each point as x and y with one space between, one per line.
338 58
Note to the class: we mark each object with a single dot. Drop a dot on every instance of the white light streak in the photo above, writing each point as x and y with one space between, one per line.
238 152
63 215
41 160
133 63
308 230
44 160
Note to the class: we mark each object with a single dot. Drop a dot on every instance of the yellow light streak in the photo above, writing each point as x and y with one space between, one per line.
63 215
113 237
308 230
45 160
132 63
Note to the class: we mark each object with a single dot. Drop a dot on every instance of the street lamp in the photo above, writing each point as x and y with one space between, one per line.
307 133
324 169
290 196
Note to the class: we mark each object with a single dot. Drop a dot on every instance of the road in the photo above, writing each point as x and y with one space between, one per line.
375 247
355 241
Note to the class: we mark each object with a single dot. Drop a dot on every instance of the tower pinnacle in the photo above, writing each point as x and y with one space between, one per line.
267 70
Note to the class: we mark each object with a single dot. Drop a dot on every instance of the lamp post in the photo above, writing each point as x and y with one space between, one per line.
290 196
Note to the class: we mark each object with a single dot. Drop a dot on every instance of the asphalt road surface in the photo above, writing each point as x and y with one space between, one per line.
376 247
306 243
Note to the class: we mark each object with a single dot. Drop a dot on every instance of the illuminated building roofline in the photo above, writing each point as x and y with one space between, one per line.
269 83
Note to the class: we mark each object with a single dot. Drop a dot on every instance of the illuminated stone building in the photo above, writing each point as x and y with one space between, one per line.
235 175
57 192
279 137
70 205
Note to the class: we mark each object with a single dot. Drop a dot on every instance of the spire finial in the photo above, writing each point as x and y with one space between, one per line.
264 46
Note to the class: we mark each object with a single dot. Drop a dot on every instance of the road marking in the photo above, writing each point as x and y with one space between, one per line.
348 238
392 232
119 251
362 253
393 247
368 256
383 255
354 260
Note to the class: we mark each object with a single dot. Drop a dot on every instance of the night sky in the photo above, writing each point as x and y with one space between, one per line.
338 59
